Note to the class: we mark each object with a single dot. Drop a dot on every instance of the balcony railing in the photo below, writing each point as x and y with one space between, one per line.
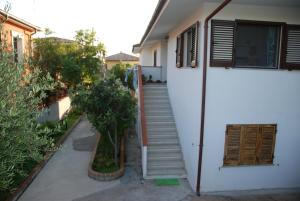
154 71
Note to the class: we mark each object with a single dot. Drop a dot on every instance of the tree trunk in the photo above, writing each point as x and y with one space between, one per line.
116 145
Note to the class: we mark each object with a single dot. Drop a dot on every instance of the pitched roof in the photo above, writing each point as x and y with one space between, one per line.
58 40
19 21
121 57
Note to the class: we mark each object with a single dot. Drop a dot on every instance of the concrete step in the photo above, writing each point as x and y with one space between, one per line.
163 111
164 124
163 149
161 91
159 118
158 165
155 86
164 155
157 130
166 173
162 135
163 141
157 102
157 97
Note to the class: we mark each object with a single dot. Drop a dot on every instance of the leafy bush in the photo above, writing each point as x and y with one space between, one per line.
119 71
111 109
21 91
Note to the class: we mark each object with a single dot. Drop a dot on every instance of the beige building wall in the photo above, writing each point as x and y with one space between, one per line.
110 64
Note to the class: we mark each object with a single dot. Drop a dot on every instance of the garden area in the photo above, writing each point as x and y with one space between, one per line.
57 69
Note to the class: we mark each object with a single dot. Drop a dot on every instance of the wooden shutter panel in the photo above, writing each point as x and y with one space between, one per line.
179 51
266 144
249 144
232 145
291 47
194 48
249 136
222 40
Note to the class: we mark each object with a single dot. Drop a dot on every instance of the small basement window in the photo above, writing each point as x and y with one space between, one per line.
257 45
251 144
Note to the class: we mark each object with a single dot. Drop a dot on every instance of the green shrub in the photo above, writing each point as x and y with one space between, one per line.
119 72
20 137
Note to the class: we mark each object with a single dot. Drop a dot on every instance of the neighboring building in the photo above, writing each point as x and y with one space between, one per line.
233 85
17 34
120 58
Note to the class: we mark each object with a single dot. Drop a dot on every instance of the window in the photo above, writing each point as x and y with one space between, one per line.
252 44
187 47
15 48
256 45
249 144
155 58
17 45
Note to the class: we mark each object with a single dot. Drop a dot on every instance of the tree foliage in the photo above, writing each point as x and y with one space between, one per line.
21 92
111 109
119 71
70 62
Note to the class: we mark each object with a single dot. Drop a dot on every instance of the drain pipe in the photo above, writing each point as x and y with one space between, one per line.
220 7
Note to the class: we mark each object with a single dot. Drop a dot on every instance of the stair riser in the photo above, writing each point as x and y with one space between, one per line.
157 125
159 119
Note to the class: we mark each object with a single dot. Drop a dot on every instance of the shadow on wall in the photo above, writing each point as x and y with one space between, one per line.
56 110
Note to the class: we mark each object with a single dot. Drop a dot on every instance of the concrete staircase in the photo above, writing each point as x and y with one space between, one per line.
164 157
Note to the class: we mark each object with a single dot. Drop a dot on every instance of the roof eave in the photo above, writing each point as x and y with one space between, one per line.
20 22
158 10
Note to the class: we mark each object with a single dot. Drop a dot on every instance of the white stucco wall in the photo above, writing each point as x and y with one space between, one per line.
56 111
236 96
147 60
147 55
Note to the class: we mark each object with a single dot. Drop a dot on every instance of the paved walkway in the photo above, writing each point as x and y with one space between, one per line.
275 196
64 178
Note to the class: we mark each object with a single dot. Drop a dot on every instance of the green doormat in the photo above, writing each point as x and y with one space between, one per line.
166 182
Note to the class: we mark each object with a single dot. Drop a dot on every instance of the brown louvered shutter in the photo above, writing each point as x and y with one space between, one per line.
232 145
194 46
249 144
291 47
266 144
179 51
249 136
222 40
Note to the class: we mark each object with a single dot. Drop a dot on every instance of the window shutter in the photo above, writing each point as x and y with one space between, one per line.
266 144
232 145
291 47
249 136
249 144
179 51
194 48
222 40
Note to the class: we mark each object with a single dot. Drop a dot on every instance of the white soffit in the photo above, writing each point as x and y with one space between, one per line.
178 10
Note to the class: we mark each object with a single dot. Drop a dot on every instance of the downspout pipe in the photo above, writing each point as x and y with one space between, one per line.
218 9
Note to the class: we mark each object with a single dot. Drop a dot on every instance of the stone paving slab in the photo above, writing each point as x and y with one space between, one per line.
64 177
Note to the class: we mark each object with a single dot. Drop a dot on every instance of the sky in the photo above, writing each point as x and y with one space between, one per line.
119 23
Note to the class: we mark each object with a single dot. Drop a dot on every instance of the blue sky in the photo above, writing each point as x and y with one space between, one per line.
119 23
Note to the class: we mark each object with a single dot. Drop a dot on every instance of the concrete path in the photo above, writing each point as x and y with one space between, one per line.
275 196
64 178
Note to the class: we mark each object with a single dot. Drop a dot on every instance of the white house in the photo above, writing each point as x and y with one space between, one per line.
233 86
